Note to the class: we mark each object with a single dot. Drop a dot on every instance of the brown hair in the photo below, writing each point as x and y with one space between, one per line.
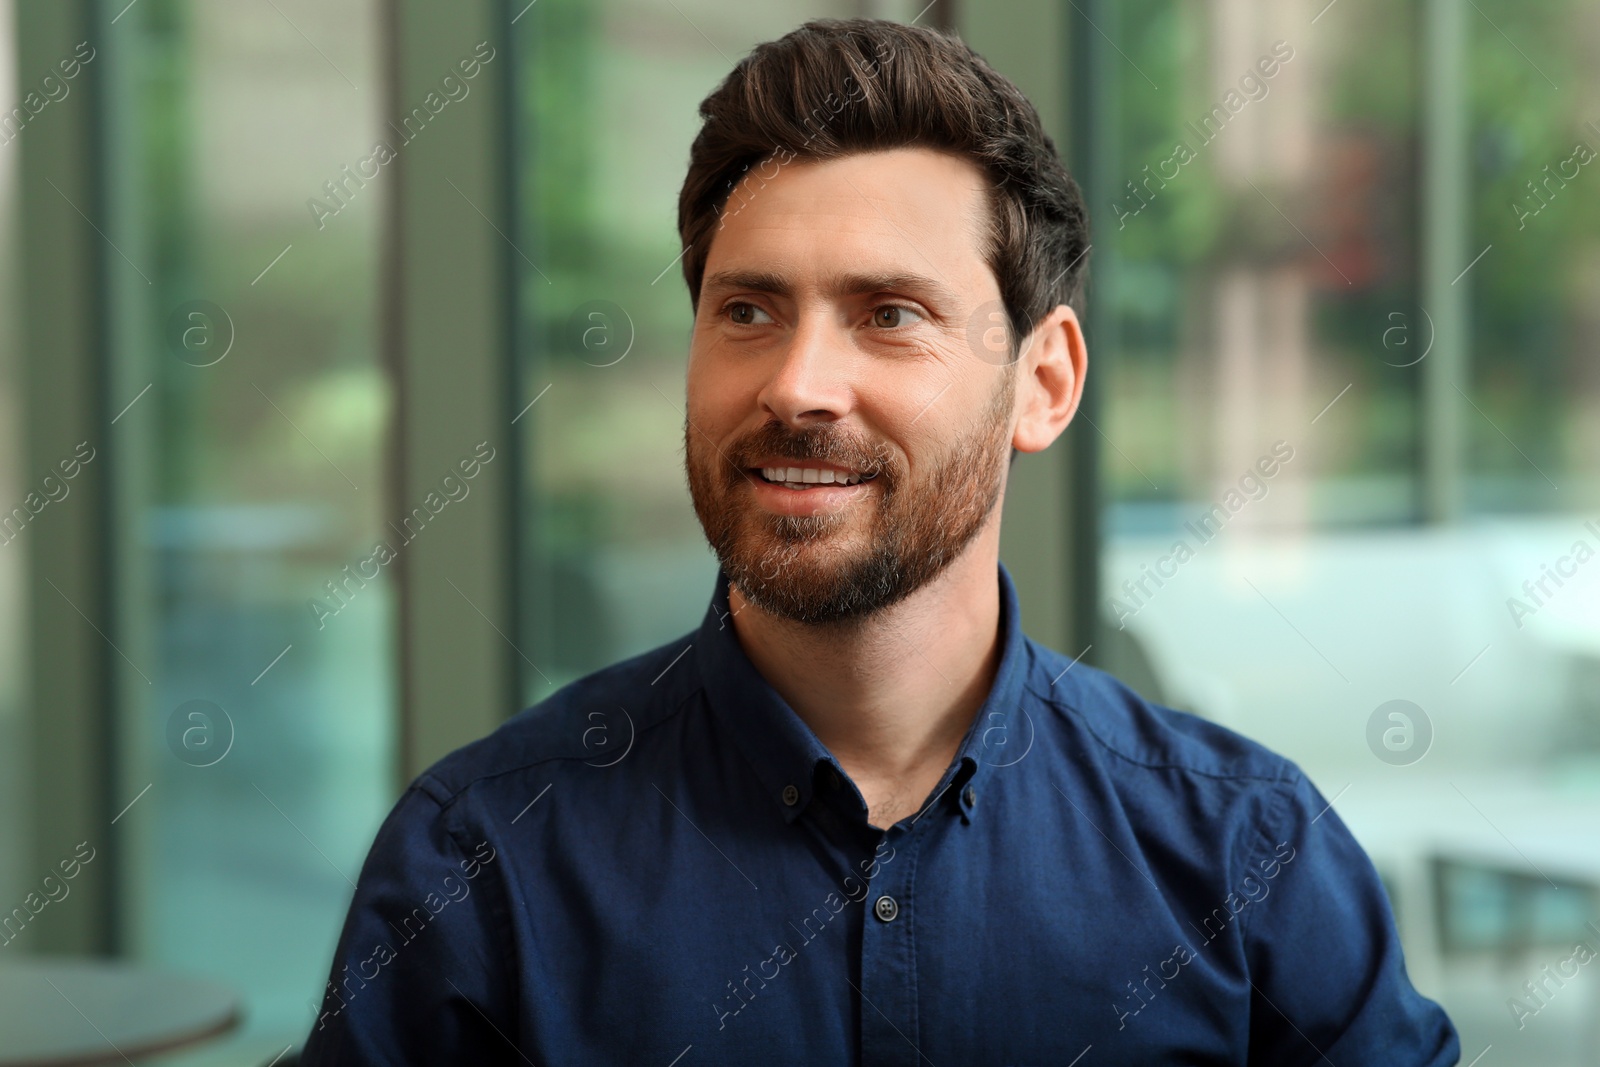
835 87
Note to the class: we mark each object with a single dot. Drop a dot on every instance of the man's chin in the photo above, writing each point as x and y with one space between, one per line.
822 561
815 603
807 581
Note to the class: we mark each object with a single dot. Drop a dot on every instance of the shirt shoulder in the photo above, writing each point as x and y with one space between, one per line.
592 719
1139 737
1207 807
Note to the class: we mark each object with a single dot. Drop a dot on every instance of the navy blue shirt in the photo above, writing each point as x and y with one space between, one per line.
661 864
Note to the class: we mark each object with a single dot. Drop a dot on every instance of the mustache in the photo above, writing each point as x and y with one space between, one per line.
826 443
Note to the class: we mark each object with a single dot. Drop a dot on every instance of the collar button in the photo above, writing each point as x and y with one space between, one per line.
791 795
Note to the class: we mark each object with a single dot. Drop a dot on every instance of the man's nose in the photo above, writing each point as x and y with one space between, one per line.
812 373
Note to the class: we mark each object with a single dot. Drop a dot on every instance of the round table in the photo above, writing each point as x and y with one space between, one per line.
64 1013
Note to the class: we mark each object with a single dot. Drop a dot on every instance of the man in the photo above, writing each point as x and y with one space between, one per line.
857 816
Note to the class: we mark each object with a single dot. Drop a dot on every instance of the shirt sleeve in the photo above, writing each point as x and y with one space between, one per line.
420 975
1329 980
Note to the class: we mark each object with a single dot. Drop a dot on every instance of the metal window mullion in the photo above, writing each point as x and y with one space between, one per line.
1445 254
447 339
69 691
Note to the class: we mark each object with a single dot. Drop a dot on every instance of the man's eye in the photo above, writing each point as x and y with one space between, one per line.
891 315
744 314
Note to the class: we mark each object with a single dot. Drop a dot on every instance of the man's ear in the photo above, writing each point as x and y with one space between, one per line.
1050 375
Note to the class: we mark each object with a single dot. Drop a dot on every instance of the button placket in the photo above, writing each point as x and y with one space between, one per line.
888 956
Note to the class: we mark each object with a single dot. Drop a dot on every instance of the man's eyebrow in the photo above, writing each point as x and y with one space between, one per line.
846 284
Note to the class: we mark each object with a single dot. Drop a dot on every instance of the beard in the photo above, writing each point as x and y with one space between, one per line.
808 568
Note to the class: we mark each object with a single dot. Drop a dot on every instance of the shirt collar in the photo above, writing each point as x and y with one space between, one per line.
784 751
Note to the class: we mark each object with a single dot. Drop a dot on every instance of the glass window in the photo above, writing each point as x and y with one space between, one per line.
1347 296
258 706
614 561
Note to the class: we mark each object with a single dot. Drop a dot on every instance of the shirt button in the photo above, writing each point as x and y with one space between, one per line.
791 795
886 909
970 796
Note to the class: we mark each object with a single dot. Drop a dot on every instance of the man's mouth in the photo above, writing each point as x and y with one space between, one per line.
810 477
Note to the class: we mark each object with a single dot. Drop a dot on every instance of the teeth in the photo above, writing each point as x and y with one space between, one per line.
809 476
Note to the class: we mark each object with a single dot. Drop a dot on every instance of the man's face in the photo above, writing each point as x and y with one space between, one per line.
833 342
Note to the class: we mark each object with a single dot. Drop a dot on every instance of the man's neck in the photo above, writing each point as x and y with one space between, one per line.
891 698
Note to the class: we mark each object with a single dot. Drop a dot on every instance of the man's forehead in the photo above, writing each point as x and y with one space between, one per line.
895 220
887 187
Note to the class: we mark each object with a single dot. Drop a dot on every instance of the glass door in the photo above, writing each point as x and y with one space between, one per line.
1347 301
257 697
